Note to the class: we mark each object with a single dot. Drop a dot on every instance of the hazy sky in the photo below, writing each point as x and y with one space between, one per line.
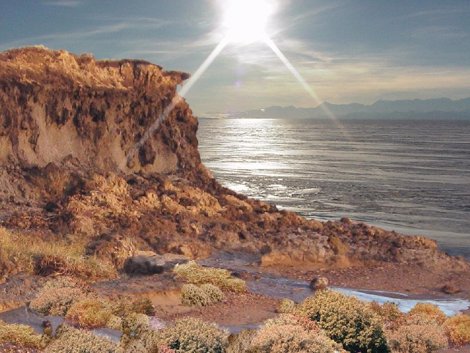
349 51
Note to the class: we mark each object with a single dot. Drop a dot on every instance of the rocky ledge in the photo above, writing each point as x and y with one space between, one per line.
68 125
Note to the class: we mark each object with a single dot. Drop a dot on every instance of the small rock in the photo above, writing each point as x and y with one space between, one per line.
319 283
450 289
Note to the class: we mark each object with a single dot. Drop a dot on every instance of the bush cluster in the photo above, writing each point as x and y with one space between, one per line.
204 295
71 340
430 311
286 306
20 335
90 312
193 273
458 329
56 301
192 335
417 337
419 331
346 320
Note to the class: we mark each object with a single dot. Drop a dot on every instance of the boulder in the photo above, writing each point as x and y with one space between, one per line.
149 263
319 283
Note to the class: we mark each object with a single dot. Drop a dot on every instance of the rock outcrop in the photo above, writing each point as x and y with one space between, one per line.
68 125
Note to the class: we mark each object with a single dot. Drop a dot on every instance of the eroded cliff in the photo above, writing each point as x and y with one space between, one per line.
68 125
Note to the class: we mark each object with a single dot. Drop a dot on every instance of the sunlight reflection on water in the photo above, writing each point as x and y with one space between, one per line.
412 176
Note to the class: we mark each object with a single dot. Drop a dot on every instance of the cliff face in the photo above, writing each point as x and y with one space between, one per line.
61 108
67 127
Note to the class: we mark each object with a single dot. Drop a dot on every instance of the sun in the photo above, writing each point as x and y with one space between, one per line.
246 21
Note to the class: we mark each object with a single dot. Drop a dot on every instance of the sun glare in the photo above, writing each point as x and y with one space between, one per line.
246 21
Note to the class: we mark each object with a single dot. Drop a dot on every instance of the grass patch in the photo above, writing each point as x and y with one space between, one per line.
196 274
31 254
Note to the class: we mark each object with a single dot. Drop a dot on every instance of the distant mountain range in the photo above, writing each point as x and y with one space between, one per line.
441 108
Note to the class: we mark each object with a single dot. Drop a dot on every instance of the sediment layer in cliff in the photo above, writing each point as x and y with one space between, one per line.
68 125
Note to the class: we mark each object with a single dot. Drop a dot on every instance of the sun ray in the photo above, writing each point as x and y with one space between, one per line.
273 46
178 98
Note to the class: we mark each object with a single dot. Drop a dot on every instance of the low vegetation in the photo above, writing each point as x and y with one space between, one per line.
430 311
417 335
192 335
458 329
90 312
56 301
32 254
194 273
346 320
290 333
204 295
21 336
71 340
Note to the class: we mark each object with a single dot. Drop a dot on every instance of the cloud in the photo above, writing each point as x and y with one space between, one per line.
63 3
88 33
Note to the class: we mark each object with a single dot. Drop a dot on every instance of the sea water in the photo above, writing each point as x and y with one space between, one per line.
409 176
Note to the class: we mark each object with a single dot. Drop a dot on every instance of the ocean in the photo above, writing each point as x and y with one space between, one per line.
409 176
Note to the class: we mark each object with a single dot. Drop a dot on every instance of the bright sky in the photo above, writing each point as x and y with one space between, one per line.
347 50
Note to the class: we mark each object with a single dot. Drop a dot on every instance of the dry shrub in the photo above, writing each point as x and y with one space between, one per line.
90 312
389 313
417 337
114 322
241 342
290 333
346 320
204 295
26 253
192 335
193 295
429 310
214 293
197 274
20 336
458 329
285 306
138 335
71 340
56 301
126 305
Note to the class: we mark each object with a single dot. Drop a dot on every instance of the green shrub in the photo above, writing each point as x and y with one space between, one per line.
20 336
346 320
458 329
197 274
194 336
90 312
71 340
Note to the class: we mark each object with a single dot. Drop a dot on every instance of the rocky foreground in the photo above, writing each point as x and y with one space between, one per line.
68 125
